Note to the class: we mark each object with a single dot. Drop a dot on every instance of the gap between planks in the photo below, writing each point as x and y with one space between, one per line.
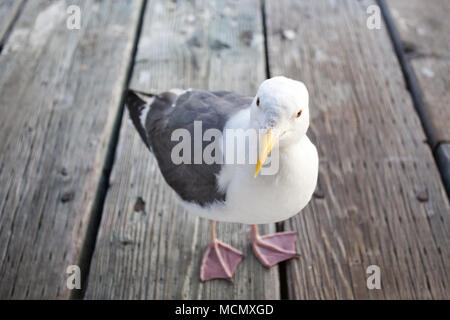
282 271
5 33
351 228
441 158
90 240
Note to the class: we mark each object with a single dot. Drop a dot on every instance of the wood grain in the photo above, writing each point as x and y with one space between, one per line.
424 29
156 253
60 93
9 9
373 160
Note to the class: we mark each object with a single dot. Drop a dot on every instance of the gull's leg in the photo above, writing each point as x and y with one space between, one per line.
220 260
273 248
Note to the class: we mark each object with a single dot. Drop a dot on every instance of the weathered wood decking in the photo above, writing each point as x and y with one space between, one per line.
178 48
60 93
9 10
424 34
72 167
370 214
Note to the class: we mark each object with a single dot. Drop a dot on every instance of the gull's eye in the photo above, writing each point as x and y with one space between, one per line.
257 102
299 114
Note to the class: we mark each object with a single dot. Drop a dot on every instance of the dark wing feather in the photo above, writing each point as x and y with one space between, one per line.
193 182
136 106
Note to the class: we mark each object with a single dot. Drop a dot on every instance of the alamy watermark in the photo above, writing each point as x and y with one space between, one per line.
73 21
74 278
232 146
374 279
374 19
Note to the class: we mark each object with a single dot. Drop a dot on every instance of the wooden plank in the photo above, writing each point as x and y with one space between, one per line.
9 10
424 29
60 93
373 160
156 253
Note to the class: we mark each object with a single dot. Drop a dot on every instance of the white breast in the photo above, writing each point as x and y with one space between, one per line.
266 198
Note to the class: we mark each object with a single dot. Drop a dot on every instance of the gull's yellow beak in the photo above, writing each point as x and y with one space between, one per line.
265 146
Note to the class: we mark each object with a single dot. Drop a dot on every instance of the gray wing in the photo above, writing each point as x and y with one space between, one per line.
166 112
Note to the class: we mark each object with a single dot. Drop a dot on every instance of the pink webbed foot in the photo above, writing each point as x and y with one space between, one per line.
274 248
220 261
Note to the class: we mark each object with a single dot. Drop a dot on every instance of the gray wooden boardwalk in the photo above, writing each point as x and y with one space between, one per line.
72 167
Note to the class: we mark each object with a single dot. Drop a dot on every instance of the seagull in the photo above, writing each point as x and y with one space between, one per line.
229 190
